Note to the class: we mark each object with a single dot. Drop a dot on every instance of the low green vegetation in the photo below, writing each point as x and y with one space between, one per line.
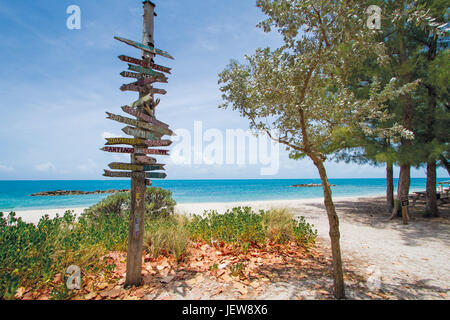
31 256
243 228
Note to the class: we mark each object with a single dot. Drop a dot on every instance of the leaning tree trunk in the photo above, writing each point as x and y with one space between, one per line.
431 209
333 220
390 185
404 181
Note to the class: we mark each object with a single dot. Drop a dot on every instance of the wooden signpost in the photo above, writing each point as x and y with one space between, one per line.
136 167
144 64
145 71
145 48
127 74
138 141
140 124
143 116
139 133
146 131
131 87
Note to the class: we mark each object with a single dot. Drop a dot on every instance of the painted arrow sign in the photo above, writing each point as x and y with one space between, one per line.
144 64
149 80
116 174
126 166
146 71
157 175
137 142
144 47
127 74
132 87
142 101
158 91
152 151
140 124
143 116
139 133
118 149
135 167
147 160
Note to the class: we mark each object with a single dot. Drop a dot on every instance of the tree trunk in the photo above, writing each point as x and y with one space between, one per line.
390 185
404 181
431 209
333 220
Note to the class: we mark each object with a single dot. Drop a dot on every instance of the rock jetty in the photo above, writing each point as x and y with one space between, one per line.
74 192
308 185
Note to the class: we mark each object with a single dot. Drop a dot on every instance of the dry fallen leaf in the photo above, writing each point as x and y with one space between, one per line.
90 296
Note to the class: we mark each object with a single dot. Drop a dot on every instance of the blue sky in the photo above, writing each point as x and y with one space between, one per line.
56 84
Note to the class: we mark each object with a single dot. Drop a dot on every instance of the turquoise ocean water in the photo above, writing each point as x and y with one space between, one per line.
15 195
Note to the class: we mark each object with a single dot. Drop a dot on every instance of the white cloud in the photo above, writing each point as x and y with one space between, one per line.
6 168
107 134
44 167
89 166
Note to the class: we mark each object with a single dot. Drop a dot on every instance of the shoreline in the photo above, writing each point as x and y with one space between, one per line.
34 215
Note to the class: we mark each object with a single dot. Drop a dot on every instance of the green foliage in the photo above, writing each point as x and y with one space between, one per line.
113 205
167 236
159 203
243 228
31 255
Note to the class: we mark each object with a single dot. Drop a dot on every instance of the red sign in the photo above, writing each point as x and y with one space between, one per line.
144 64
118 149
153 151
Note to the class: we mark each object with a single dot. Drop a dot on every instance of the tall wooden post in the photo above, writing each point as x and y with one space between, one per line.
138 185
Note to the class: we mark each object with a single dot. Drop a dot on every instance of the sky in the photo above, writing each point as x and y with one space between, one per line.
57 83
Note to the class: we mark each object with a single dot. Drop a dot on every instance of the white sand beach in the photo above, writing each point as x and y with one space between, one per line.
412 259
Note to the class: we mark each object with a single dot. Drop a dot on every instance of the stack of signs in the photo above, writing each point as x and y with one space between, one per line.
146 131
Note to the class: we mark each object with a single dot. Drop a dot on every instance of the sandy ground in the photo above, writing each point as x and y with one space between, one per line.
408 261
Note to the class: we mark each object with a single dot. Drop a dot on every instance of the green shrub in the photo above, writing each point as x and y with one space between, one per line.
158 203
31 255
242 227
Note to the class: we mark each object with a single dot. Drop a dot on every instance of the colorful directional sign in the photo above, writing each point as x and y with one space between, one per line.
121 174
140 124
158 91
135 167
143 116
125 166
143 159
140 102
132 87
127 74
144 47
137 142
139 133
144 64
157 175
118 149
152 151
149 80
143 70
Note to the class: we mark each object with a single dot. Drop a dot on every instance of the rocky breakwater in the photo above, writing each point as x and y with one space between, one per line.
309 185
74 192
